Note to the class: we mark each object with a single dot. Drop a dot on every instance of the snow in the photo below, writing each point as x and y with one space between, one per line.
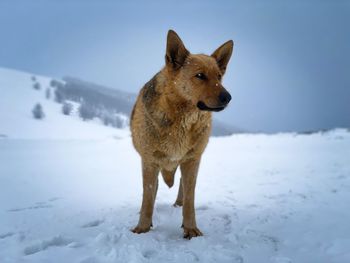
259 198
74 196
17 99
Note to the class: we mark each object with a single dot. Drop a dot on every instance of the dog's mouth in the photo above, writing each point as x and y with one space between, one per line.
201 105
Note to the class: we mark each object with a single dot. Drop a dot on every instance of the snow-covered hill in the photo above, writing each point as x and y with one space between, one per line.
17 99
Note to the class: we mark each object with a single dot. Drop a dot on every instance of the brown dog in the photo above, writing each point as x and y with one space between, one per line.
171 124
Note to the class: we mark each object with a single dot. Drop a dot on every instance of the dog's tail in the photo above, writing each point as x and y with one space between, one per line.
168 177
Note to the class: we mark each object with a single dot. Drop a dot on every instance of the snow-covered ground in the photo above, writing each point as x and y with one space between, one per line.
70 191
260 198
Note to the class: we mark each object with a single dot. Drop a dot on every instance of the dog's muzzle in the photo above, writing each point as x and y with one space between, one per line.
223 99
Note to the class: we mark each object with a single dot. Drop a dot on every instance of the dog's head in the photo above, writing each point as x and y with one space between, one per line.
198 77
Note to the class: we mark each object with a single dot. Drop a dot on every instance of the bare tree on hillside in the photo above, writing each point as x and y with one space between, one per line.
48 93
67 108
38 112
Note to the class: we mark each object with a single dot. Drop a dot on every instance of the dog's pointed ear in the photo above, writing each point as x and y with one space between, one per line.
176 53
223 54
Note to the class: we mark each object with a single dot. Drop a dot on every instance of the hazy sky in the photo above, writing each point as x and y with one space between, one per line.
290 69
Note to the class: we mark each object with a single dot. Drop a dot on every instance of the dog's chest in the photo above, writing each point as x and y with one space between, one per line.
182 135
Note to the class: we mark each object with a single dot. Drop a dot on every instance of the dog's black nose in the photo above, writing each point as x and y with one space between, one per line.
224 97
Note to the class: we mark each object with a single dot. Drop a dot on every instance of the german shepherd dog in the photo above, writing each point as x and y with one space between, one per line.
171 124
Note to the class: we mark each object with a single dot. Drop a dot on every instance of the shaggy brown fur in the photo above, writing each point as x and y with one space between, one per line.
171 124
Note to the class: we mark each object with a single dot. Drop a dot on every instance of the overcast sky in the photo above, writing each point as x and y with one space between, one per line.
290 69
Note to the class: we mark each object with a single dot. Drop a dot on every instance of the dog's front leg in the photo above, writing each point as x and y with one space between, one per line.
150 185
189 170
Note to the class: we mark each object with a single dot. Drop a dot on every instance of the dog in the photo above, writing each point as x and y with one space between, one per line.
171 124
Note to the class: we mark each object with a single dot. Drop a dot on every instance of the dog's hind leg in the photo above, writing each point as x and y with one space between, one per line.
150 186
179 199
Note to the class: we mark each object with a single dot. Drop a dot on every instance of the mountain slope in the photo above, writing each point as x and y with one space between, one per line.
112 99
18 98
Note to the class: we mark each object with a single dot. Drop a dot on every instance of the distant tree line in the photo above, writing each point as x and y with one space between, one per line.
93 103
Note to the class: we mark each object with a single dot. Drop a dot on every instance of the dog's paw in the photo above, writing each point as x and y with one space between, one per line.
139 229
191 232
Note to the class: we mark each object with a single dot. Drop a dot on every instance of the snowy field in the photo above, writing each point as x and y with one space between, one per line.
279 198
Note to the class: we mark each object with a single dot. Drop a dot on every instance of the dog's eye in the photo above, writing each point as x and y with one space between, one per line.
201 76
219 76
